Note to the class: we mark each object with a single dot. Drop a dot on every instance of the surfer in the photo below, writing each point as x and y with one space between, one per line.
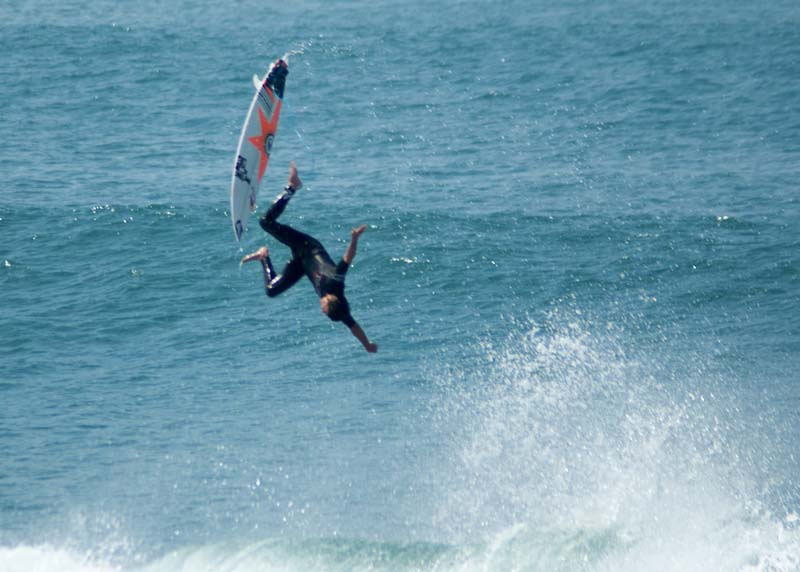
309 258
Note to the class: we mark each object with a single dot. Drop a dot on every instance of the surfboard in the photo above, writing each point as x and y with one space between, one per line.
255 143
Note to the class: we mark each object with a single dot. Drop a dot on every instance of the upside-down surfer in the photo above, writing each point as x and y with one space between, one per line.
309 258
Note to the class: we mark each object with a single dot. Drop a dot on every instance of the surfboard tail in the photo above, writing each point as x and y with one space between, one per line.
276 78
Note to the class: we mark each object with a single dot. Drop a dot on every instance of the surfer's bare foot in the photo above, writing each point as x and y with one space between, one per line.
259 254
294 179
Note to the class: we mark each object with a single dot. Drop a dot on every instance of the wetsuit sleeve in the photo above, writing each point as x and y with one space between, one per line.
341 268
348 320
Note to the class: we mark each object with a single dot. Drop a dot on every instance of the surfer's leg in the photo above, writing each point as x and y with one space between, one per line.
274 285
269 221
276 209
292 238
259 254
293 184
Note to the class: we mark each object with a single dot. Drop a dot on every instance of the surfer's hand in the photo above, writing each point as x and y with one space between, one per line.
350 254
371 348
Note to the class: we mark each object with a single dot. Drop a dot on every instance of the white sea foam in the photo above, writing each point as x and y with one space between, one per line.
731 546
566 431
47 558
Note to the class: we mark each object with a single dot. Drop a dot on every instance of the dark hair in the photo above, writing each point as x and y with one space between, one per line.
338 309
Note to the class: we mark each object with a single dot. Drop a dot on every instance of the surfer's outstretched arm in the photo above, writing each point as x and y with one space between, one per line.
362 337
350 254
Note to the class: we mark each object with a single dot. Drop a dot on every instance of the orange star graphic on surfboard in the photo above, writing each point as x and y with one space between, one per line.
263 141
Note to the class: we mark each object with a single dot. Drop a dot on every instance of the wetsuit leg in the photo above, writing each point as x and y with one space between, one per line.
292 272
299 242
292 238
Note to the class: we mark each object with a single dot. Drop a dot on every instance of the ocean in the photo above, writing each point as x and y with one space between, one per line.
581 266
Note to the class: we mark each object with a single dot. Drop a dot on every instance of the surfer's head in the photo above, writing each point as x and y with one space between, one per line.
333 307
329 304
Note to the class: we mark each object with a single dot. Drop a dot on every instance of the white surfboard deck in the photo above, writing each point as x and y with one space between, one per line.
252 153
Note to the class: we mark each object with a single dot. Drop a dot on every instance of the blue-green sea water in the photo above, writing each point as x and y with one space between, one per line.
582 267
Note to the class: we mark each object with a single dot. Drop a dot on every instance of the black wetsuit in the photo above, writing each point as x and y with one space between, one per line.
309 257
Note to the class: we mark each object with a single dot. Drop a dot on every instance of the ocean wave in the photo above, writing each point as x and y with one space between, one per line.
574 425
770 547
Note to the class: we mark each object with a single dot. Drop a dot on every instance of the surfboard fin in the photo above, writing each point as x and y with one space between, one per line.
275 78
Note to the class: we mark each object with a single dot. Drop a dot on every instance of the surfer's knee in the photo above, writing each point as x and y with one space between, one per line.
266 222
